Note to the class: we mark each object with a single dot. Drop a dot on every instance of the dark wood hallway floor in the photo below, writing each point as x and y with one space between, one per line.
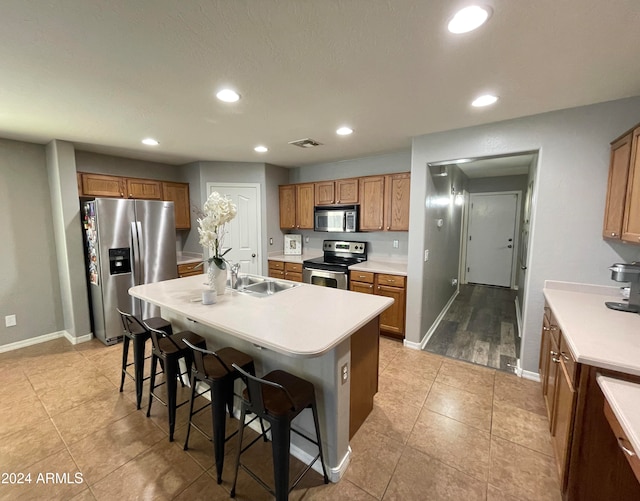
480 327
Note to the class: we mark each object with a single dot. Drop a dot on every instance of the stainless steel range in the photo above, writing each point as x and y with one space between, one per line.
331 269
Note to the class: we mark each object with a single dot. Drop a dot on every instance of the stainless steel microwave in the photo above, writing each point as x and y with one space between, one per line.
336 219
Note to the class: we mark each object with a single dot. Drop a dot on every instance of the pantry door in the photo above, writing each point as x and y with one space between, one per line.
243 233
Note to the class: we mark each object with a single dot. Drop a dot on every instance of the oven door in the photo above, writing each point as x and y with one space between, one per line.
335 279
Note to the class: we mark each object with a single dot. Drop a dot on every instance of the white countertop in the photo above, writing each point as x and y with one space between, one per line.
624 399
306 321
188 257
597 335
293 258
381 266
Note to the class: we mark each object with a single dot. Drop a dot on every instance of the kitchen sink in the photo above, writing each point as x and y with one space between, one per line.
256 286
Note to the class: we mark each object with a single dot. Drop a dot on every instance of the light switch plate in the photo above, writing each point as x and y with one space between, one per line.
10 320
426 255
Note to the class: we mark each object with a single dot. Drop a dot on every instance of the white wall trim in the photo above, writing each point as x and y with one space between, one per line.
79 339
44 338
434 326
532 376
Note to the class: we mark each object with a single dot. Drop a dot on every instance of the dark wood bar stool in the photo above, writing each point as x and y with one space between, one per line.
137 334
168 350
215 369
278 398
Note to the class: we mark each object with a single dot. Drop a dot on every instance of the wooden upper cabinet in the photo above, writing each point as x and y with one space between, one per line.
305 197
397 190
98 185
146 189
617 187
631 223
371 203
347 191
325 193
178 193
288 206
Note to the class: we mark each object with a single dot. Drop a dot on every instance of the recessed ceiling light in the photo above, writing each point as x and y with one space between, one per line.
149 141
228 96
344 131
468 19
485 100
261 149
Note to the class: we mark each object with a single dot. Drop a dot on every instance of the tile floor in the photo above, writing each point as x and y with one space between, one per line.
440 430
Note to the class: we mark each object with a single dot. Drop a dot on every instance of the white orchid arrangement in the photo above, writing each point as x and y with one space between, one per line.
218 211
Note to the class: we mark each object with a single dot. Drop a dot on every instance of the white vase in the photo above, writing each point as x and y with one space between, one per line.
217 279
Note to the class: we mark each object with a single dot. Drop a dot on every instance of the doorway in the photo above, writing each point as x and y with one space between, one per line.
243 233
492 238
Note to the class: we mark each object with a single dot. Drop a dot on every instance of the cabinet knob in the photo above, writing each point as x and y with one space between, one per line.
388 227
553 353
556 360
614 234
626 450
371 287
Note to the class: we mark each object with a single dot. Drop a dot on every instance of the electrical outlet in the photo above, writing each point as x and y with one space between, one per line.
426 255
271 241
344 373
395 244
10 320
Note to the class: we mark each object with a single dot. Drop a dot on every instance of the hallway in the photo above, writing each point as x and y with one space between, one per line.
480 327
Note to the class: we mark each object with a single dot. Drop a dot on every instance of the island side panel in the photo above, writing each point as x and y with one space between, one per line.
323 371
365 353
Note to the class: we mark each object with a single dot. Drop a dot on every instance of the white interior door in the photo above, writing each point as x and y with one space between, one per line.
243 233
491 238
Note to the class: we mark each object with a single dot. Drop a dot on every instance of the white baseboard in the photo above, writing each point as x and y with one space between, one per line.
434 326
532 376
44 338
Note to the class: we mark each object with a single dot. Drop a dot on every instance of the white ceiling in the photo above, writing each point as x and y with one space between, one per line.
105 74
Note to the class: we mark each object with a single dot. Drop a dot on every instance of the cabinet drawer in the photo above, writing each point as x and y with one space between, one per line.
392 280
187 269
276 265
276 273
294 276
362 276
569 360
293 267
623 440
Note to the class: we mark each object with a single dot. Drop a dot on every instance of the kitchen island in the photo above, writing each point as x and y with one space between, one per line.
327 336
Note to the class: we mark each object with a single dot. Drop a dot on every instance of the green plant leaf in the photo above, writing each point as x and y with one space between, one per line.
225 252
220 263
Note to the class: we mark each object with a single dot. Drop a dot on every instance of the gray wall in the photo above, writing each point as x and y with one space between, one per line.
568 205
497 184
275 176
29 284
127 167
380 244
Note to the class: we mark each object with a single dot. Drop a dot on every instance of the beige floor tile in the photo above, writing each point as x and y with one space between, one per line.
339 490
422 364
373 460
391 418
23 448
495 494
204 488
522 473
525 428
85 495
102 452
419 476
80 372
519 392
403 387
453 443
468 408
92 415
159 473
15 391
55 477
62 398
465 376
21 415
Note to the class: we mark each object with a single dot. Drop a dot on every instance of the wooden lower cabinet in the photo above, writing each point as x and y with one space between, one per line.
286 270
590 464
392 320
188 269
276 269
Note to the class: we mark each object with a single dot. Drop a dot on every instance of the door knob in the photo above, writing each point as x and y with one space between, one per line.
511 240
509 246
253 255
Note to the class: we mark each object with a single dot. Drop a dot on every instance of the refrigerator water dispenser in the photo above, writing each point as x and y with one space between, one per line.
120 261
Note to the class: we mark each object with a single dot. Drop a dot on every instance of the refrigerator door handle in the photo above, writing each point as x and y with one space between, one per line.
135 251
140 277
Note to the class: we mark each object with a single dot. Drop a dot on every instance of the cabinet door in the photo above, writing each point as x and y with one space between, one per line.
363 287
372 203
543 365
565 404
631 225
178 193
617 187
305 196
325 193
397 189
145 189
288 207
552 380
97 185
392 319
347 191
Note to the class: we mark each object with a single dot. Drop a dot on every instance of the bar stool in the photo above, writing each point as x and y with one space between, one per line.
135 332
168 350
214 368
278 398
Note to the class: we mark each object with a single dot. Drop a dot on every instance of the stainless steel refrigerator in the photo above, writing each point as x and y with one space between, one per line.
128 242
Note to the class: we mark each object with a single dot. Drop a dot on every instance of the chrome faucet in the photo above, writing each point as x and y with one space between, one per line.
235 269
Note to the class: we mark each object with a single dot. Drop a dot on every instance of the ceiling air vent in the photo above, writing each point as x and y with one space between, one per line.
305 143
